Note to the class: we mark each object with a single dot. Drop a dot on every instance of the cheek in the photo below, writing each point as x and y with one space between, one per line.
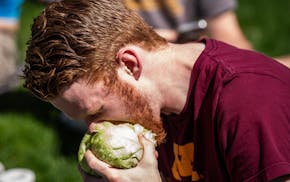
115 109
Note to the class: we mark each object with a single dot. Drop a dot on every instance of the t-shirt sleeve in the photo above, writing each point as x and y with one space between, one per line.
254 128
210 8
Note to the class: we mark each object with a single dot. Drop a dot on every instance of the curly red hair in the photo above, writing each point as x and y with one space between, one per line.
80 38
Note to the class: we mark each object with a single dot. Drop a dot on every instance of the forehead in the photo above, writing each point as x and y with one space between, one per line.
80 90
79 97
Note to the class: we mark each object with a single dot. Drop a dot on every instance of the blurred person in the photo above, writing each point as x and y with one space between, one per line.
9 17
220 113
187 20
285 60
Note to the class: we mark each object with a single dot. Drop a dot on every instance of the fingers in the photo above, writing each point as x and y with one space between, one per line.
156 154
89 178
148 165
101 168
149 154
96 165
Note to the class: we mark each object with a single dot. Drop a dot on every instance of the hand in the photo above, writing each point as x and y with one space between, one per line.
146 170
89 178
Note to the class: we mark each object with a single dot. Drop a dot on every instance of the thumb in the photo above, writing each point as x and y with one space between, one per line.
149 152
99 167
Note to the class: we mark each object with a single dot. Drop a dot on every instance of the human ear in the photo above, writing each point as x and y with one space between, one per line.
129 60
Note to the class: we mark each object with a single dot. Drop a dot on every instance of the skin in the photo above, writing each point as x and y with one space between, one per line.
103 106
105 103
225 27
9 26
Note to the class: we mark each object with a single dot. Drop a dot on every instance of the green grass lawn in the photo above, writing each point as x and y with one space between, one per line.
30 9
266 24
27 143
31 133
33 137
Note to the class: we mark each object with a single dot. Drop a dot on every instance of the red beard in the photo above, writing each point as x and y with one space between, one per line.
139 110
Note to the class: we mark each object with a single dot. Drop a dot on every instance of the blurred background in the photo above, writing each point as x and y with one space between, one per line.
33 134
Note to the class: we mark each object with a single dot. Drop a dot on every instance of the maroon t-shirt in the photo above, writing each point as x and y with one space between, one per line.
235 125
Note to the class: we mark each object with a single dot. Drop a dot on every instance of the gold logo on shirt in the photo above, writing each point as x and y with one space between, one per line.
183 161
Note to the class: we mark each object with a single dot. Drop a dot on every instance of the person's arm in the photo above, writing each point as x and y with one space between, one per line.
225 27
146 170
282 179
285 60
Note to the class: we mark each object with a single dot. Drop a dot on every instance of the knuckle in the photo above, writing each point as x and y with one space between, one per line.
149 162
114 178
90 162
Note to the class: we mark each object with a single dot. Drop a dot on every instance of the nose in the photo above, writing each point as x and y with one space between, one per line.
91 123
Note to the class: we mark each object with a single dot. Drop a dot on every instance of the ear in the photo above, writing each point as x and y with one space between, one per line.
128 58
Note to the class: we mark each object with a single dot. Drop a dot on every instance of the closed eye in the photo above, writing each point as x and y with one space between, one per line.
95 116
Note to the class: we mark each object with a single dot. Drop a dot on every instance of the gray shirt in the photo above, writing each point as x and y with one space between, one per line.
171 14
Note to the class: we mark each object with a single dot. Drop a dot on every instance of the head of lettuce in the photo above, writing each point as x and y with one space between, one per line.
115 144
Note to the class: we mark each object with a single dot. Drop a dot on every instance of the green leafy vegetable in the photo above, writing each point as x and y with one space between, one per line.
115 144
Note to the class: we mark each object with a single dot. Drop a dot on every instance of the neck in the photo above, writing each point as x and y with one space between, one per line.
177 63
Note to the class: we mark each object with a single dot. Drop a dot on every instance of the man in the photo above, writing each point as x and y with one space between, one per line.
225 111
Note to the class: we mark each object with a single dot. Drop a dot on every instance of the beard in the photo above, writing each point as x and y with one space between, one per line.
139 110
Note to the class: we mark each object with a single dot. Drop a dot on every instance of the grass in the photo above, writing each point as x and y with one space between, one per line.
30 9
32 135
29 143
266 24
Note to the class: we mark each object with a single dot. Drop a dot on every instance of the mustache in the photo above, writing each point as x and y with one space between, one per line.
156 126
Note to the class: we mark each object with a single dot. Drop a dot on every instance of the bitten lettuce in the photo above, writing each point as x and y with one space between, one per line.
115 144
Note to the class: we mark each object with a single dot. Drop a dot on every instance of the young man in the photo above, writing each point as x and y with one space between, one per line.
225 111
